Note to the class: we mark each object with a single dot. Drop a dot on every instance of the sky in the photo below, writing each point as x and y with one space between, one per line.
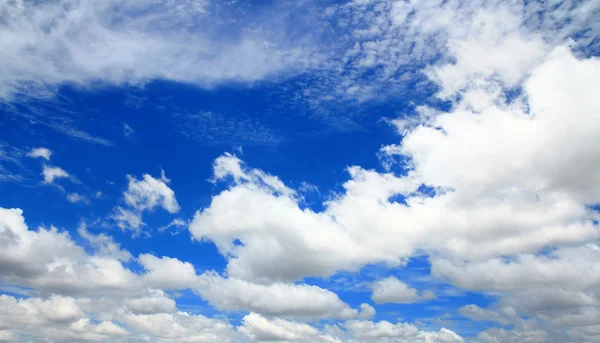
314 171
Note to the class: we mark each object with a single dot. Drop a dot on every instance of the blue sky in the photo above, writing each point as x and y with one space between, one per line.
312 171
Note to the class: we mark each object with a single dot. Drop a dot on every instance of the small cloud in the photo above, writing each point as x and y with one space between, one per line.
127 130
128 220
163 177
177 223
77 198
40 152
52 173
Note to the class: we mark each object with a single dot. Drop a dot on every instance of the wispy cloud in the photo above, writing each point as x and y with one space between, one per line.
229 129
130 42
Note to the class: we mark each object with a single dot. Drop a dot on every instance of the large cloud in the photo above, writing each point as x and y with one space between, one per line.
50 43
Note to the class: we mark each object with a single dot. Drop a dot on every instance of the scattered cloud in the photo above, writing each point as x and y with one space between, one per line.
52 173
77 198
41 153
149 193
392 290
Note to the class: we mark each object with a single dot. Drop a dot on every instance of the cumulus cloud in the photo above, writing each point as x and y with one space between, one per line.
41 153
498 189
392 290
262 329
277 299
148 193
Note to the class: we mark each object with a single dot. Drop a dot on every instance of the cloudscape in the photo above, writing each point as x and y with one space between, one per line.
313 171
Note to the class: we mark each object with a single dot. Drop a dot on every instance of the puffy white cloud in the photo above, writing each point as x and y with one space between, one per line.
261 329
167 272
264 215
392 290
149 193
49 260
26 253
276 299
52 173
503 178
386 332
179 327
569 268
40 152
156 303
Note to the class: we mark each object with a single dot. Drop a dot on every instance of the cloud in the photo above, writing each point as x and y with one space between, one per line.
148 193
52 173
386 332
273 300
104 245
503 179
40 152
392 290
127 130
136 41
168 272
127 220
157 303
262 329
76 198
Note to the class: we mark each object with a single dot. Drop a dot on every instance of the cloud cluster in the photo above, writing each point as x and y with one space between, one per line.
93 297
499 190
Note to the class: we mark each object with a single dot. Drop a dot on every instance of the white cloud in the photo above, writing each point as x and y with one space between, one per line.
127 220
76 197
127 130
40 152
157 303
168 272
47 44
148 193
261 329
104 245
276 299
52 173
392 290
504 185
386 332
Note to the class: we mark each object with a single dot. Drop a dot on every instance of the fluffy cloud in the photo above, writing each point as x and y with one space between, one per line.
261 329
498 190
149 193
52 173
386 332
40 152
277 299
144 195
392 290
